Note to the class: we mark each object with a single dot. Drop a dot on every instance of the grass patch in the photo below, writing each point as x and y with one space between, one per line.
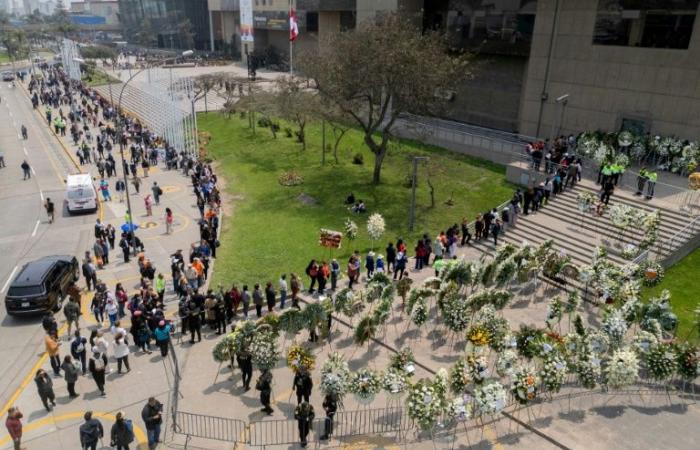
681 281
4 58
272 232
98 78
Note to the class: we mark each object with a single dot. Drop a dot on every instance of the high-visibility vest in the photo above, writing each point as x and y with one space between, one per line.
652 177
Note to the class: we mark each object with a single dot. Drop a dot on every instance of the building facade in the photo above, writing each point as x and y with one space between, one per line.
623 63
176 24
109 9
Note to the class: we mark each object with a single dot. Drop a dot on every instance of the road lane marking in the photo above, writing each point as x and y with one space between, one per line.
24 149
36 227
8 280
33 173
41 194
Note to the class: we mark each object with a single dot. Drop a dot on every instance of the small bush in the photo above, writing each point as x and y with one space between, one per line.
300 136
358 159
275 127
288 132
242 114
290 178
264 122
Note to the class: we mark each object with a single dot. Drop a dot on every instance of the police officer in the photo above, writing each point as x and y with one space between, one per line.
651 185
264 385
641 180
302 385
304 414
330 405
246 365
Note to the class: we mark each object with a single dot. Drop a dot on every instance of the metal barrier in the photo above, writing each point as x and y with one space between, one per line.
371 421
669 247
211 427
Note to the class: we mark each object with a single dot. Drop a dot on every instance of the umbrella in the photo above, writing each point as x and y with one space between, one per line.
125 227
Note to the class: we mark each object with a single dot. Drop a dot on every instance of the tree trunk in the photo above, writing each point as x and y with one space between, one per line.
432 192
379 151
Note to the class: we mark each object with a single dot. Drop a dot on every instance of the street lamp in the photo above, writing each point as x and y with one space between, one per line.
184 54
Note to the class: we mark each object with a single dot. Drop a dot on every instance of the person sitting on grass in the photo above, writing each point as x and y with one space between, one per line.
350 200
359 207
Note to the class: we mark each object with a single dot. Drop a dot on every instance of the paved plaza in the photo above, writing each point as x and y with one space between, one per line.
644 420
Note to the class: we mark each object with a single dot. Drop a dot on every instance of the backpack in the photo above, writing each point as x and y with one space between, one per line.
160 191
99 364
130 427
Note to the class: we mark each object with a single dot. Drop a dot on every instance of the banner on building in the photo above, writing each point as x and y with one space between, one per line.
247 21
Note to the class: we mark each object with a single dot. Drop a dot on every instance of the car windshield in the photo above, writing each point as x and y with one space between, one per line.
24 291
78 194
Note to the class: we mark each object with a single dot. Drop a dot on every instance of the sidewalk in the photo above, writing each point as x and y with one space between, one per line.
149 374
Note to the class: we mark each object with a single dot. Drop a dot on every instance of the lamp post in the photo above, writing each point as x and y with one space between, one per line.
121 142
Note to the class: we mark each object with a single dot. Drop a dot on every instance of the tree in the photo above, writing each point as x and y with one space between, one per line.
15 41
384 68
338 122
204 84
61 20
294 102
35 17
98 52
254 99
144 35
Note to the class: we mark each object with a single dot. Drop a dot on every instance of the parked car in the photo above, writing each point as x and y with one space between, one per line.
41 285
8 76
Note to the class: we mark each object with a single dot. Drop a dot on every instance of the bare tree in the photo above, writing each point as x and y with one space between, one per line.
203 85
294 102
384 68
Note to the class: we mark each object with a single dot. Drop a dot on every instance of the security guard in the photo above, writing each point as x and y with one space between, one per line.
651 185
641 180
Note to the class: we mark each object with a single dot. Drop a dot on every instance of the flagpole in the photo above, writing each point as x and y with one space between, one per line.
291 44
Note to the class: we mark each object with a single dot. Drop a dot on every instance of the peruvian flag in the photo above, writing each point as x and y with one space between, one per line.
293 25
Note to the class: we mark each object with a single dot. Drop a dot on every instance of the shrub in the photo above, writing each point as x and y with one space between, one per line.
291 178
288 132
264 122
358 159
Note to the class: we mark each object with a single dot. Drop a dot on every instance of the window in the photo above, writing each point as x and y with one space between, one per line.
645 23
312 22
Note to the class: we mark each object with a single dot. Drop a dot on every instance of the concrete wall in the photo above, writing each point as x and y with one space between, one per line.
607 83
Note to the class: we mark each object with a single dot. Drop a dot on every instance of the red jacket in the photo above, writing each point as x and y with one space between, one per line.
14 426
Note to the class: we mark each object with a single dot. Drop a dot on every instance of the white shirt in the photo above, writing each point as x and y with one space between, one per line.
283 284
121 349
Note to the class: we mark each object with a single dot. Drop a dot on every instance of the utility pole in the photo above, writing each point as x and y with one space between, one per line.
414 182
323 142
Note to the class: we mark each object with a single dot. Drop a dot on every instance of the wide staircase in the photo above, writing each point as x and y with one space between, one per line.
578 234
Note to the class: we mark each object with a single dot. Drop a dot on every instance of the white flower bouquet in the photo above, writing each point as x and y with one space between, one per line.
615 327
365 384
350 229
524 386
489 398
335 375
264 351
505 365
553 372
460 408
423 404
394 382
586 200
419 314
375 226
588 371
622 368
643 341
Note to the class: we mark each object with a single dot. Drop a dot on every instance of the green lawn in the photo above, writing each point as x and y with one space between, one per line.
270 231
98 78
4 58
681 281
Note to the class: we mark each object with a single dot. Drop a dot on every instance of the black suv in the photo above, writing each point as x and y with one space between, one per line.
41 285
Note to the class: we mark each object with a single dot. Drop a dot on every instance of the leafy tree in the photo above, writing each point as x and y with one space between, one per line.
294 102
382 69
15 41
61 20
98 52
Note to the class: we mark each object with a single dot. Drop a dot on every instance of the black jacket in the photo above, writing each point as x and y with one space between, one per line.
150 416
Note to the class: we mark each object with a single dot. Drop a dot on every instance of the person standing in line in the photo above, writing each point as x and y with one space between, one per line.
91 432
50 208
26 170
270 296
302 385
110 234
246 364
335 273
97 368
13 423
296 287
72 313
168 221
245 300
257 300
283 290
70 374
44 386
304 414
264 385
496 230
400 266
152 417
122 432
157 192
121 352
162 335
52 344
330 405
78 349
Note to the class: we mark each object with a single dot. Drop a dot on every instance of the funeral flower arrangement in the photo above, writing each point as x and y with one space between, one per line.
365 384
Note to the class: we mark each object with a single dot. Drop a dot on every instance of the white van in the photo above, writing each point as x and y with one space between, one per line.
80 193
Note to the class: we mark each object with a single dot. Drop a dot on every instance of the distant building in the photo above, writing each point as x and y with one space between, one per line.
167 18
107 9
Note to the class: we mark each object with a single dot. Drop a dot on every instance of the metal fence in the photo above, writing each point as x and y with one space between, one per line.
211 427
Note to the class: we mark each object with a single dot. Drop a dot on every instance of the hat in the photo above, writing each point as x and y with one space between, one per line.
370 254
379 257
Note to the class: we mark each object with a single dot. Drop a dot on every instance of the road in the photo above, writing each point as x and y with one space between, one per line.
25 233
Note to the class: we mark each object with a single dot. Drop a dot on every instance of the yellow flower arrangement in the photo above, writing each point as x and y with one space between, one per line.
300 357
478 336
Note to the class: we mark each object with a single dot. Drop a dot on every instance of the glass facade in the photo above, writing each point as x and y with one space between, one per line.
645 23
168 19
